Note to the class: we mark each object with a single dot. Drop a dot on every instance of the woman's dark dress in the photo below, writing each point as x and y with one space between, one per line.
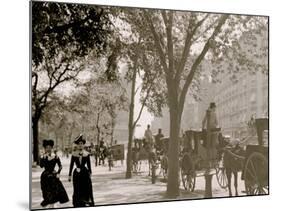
51 186
82 184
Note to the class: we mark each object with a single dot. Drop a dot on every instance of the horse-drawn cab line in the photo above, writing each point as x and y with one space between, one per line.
253 162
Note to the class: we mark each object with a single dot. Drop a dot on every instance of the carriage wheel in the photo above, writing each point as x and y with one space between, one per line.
256 174
188 180
221 176
188 175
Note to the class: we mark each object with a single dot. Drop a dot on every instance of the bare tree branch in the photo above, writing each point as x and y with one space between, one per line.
144 102
203 32
170 46
137 89
157 42
199 59
186 50
163 12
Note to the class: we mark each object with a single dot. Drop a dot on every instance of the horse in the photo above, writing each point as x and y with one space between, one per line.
232 159
135 159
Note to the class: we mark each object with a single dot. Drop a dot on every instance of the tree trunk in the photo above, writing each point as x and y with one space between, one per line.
173 154
70 138
129 154
131 127
98 129
112 131
35 133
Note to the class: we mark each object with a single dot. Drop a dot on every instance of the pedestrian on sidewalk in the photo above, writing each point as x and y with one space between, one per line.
51 186
82 184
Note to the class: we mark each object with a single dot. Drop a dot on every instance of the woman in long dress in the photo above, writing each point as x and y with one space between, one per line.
51 186
82 184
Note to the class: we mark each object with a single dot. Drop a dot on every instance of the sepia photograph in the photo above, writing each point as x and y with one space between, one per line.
135 105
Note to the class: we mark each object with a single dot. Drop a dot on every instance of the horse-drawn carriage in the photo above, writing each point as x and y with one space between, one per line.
193 158
155 156
196 161
253 162
255 171
112 153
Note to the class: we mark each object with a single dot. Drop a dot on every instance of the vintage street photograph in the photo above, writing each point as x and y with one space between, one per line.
132 105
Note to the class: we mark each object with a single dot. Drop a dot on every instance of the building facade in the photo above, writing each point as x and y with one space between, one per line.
238 102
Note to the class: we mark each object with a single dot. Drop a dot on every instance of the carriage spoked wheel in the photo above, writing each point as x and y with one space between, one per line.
256 174
221 175
188 180
188 174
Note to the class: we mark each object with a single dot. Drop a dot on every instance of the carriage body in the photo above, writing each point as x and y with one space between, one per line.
118 152
255 171
195 160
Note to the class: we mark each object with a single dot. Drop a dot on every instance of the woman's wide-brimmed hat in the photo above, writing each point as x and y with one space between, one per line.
48 143
79 139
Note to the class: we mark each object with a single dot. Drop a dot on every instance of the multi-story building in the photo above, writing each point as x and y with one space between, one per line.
238 101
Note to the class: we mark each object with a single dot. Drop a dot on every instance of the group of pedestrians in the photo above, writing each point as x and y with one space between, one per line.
52 188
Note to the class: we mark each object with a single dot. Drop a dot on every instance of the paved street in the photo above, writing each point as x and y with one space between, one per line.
111 187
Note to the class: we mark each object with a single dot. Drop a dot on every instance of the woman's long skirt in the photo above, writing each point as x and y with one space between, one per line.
52 189
82 188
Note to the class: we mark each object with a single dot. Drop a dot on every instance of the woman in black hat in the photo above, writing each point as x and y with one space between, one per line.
82 184
51 186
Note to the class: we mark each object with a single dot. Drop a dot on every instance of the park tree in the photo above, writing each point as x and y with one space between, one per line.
139 63
64 36
99 102
127 49
139 59
182 41
54 120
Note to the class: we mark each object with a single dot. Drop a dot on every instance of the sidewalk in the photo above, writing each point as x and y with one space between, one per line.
111 187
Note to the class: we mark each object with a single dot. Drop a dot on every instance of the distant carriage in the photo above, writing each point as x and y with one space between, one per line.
118 152
115 153
143 153
139 153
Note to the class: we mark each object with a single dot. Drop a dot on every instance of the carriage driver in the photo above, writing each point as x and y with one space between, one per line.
210 123
148 138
